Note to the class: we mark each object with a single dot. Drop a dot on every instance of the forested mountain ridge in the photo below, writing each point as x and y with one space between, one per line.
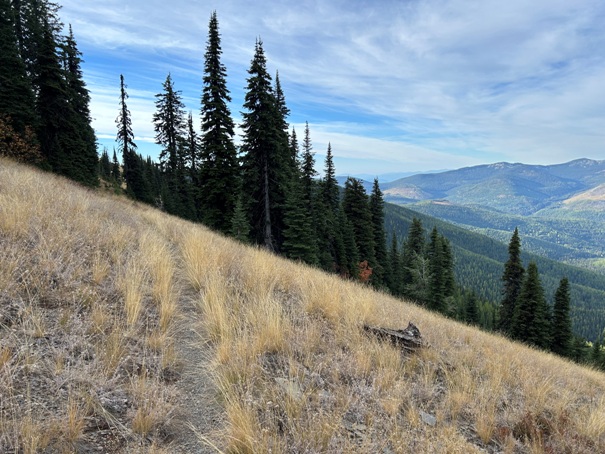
512 188
479 261
558 208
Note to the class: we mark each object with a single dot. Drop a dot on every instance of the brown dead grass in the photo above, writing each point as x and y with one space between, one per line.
89 294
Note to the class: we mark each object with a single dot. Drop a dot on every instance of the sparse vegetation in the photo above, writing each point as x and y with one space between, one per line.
293 366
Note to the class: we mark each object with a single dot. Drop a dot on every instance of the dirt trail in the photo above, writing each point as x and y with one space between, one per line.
200 415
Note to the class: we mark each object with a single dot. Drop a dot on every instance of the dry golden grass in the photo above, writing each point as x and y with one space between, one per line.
293 366
88 301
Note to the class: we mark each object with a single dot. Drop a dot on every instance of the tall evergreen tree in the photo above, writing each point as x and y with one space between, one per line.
394 276
377 210
513 281
562 335
219 169
83 155
265 156
308 172
435 255
133 172
471 312
329 188
16 95
105 165
169 125
413 248
531 319
300 238
357 209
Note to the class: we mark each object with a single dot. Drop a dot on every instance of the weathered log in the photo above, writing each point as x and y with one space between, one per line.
408 339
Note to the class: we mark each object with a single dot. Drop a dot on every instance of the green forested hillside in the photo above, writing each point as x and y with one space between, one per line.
569 239
479 262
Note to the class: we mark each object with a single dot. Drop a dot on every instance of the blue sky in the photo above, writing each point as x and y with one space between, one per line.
395 86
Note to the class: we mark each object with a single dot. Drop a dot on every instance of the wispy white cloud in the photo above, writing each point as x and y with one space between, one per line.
424 84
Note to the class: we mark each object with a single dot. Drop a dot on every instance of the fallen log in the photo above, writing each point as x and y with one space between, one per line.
409 339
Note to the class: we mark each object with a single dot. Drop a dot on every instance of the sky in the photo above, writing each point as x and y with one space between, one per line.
394 86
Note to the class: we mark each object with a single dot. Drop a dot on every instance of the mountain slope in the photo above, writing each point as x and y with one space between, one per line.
559 208
93 292
511 188
479 262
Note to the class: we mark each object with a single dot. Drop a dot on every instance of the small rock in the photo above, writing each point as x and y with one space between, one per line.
428 419
291 388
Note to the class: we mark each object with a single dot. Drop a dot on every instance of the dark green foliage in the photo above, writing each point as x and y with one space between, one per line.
471 313
83 151
169 125
512 279
16 95
441 272
105 166
412 249
348 256
116 173
531 319
300 237
561 323
596 354
266 156
356 206
219 171
239 222
329 186
133 165
300 242
380 250
479 266
394 275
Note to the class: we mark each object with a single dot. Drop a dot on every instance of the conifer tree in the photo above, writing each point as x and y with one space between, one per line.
412 249
116 174
380 250
561 324
169 125
471 313
513 281
219 169
531 319
266 158
83 154
394 274
16 95
299 235
435 255
239 222
332 256
329 187
300 242
308 173
357 209
53 108
105 165
133 171
348 257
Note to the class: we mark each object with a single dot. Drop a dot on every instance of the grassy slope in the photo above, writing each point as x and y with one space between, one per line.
294 368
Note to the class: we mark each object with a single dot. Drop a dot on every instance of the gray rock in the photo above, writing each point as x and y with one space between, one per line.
428 419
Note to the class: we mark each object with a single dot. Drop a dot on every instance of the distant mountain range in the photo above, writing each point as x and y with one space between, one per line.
559 209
